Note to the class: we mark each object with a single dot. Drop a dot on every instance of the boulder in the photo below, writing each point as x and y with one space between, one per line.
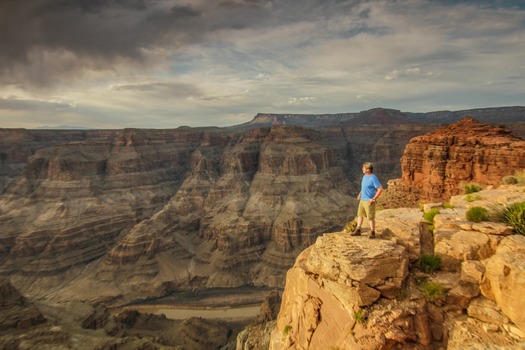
329 284
504 279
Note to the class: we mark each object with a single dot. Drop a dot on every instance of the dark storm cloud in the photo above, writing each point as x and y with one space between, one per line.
121 28
95 34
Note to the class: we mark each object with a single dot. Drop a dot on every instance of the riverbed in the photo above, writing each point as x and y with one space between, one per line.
217 303
181 313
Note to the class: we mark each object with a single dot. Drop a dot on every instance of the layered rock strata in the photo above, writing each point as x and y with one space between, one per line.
436 165
22 324
144 212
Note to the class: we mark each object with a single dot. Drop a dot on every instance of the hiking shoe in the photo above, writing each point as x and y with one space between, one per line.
356 232
372 235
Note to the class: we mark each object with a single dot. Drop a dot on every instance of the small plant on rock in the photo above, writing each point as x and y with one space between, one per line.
514 216
471 198
509 180
432 291
520 176
469 188
477 214
287 329
429 215
448 206
429 218
429 263
360 316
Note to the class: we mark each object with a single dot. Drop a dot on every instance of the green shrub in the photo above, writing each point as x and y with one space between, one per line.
448 206
469 188
432 291
359 316
477 214
509 180
471 198
520 176
429 215
514 216
287 329
429 263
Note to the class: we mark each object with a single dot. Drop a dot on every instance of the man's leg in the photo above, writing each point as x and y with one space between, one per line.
357 230
372 221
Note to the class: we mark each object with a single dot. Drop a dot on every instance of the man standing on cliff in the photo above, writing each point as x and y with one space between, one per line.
370 190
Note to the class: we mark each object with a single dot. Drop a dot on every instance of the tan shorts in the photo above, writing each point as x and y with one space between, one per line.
367 210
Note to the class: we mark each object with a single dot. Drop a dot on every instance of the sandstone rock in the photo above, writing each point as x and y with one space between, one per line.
504 278
492 228
430 206
486 310
463 293
472 334
436 164
255 337
269 308
454 247
472 271
333 278
403 224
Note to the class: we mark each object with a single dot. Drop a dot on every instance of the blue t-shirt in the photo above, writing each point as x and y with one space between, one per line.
369 185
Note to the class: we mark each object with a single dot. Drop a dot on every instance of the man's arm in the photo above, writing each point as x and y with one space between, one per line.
378 193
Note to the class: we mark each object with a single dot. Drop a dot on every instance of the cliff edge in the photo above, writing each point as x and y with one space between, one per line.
348 292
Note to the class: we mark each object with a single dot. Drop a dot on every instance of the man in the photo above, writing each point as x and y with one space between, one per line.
370 190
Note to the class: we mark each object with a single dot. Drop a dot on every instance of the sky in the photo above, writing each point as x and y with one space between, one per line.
170 63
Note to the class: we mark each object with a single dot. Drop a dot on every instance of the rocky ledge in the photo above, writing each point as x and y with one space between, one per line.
348 292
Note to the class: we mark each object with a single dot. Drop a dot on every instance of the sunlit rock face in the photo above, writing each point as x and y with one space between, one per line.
436 165
352 292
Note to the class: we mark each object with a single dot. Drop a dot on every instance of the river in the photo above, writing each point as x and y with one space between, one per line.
181 313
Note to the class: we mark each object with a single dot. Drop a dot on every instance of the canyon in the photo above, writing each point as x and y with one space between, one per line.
94 219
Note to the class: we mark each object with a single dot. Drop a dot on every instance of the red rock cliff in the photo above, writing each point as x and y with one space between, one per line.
434 166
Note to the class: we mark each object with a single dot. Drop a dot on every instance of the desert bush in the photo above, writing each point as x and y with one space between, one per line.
429 215
520 176
471 198
429 263
477 214
514 216
360 316
287 329
509 180
432 291
469 188
448 206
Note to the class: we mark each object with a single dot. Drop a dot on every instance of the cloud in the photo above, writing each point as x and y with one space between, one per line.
202 61
15 103
301 100
160 90
414 72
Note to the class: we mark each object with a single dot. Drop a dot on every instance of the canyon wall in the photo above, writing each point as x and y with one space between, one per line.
139 213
